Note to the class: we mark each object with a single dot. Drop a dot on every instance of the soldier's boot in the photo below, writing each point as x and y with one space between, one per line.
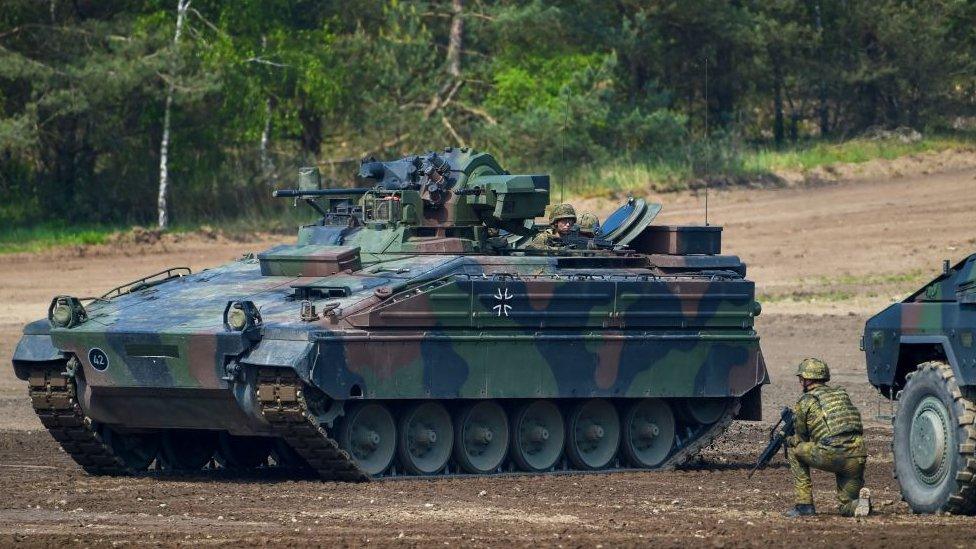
801 510
863 505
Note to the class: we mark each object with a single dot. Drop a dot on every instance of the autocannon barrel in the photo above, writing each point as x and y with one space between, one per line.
298 193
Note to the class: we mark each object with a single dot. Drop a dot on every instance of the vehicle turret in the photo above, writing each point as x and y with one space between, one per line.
449 201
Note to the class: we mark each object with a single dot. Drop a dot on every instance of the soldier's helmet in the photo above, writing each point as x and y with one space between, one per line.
589 224
562 211
813 369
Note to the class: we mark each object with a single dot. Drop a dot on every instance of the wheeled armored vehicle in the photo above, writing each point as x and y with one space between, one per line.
409 331
920 354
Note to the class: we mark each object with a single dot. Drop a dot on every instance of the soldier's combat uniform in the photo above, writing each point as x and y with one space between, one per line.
550 239
828 436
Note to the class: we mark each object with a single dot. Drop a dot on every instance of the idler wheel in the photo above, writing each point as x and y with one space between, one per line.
137 450
538 433
368 433
592 434
187 450
236 452
703 411
425 438
648 434
481 437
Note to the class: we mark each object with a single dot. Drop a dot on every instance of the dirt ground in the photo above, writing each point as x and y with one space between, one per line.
824 258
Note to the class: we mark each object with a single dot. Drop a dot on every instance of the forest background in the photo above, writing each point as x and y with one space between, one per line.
609 96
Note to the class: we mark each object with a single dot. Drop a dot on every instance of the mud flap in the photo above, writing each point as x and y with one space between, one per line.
751 405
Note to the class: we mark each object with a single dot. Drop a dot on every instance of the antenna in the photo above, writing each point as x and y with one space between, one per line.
562 155
708 145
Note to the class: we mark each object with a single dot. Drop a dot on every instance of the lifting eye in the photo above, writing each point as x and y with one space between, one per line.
356 391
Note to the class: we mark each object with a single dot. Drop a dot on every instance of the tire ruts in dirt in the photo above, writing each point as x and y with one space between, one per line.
52 393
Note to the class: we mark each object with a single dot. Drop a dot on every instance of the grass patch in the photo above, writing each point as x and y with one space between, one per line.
916 276
635 176
42 237
46 236
801 296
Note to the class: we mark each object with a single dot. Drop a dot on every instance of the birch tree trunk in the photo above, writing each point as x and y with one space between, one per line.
454 42
267 167
181 7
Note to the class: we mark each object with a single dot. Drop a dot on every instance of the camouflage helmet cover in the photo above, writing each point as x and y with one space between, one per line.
589 223
813 369
562 211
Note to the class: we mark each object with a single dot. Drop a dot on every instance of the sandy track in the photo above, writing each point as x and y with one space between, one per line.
824 257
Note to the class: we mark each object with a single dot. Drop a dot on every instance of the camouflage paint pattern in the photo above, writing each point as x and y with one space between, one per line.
419 304
936 322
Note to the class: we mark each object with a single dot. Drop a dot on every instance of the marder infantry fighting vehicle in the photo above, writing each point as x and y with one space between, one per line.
409 332
920 352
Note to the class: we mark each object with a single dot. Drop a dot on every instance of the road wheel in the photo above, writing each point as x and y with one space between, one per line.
702 411
592 434
187 450
236 452
537 438
935 441
368 433
648 432
136 450
480 437
425 438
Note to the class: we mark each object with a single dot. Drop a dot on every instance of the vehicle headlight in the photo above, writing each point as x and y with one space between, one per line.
66 312
241 316
236 317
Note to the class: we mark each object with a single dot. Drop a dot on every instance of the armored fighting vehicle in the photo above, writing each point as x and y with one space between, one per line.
920 354
410 332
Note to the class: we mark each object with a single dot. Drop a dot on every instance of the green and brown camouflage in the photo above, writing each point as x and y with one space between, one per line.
920 353
937 322
417 290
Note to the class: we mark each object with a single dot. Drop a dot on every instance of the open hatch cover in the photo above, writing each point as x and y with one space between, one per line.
629 220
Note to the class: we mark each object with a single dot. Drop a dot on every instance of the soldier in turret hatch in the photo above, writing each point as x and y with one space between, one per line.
589 225
829 437
562 217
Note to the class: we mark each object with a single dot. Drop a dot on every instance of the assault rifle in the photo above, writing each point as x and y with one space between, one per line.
777 438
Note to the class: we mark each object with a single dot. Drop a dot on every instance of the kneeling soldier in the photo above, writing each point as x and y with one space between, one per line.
828 436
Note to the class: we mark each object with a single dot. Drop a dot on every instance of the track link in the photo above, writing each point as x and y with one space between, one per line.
281 397
53 395
705 439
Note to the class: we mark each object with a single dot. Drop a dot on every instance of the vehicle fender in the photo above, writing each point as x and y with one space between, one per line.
35 346
296 354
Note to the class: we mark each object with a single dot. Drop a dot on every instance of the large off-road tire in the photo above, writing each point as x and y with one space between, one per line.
935 441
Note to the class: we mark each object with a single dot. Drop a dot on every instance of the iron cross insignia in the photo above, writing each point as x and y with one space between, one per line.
502 308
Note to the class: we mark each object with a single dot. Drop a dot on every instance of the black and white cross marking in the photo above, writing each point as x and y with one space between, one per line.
502 308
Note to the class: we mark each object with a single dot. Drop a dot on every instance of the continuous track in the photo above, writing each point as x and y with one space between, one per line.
53 396
281 396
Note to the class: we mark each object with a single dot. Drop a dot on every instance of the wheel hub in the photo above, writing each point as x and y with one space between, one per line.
482 435
368 440
594 432
427 437
928 440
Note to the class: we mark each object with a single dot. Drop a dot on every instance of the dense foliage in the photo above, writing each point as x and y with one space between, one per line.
263 86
